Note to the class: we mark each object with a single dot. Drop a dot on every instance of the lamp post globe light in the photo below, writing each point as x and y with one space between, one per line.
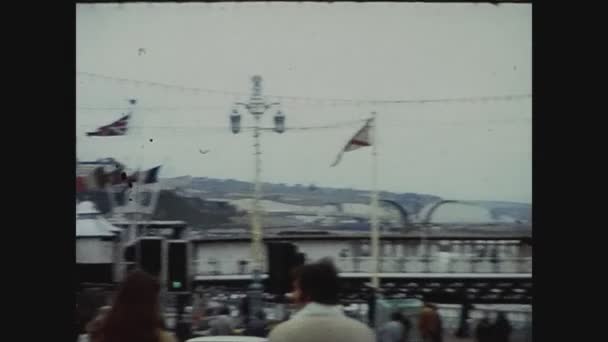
256 106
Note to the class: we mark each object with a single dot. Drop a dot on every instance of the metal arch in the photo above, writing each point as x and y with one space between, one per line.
405 216
436 205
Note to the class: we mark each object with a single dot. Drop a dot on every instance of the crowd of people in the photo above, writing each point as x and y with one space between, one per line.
135 316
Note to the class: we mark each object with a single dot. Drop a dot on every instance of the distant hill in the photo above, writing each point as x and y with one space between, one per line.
195 211
305 194
518 211
198 200
313 195
171 205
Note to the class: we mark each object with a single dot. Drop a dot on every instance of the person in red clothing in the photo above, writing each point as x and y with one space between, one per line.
429 324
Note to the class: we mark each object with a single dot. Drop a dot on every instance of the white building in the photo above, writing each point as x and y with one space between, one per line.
400 253
95 244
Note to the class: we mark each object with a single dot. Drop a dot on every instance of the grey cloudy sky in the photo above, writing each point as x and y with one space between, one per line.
468 150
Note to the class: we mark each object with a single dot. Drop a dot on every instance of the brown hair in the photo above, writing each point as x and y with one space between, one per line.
319 281
135 313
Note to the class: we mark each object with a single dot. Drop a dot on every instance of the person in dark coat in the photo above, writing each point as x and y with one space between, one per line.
257 326
463 326
501 329
244 310
407 327
483 331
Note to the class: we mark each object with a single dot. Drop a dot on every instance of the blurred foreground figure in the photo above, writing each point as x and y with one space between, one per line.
407 327
430 326
257 326
501 329
94 327
320 319
223 324
135 313
392 331
483 332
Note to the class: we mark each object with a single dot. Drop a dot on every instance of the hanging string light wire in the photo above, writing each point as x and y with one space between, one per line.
310 100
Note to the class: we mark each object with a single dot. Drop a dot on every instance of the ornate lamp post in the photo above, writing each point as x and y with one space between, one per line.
256 106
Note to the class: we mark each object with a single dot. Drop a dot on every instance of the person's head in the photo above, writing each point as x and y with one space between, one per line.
317 282
135 312
396 316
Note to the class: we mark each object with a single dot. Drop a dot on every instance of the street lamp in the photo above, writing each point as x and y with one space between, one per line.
235 121
256 106
279 122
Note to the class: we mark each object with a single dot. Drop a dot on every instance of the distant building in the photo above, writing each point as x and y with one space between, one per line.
95 245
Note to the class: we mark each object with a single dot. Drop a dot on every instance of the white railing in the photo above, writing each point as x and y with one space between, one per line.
437 265
410 264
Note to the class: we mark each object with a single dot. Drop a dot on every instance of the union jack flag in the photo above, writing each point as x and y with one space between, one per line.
118 127
363 138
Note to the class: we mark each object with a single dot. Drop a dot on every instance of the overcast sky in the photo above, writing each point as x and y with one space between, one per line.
366 51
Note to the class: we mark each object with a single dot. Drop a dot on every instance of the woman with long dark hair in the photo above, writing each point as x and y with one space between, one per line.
135 314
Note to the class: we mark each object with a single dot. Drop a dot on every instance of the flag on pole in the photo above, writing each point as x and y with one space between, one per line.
116 128
141 196
147 177
362 138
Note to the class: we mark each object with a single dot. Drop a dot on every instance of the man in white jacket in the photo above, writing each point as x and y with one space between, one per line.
320 319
